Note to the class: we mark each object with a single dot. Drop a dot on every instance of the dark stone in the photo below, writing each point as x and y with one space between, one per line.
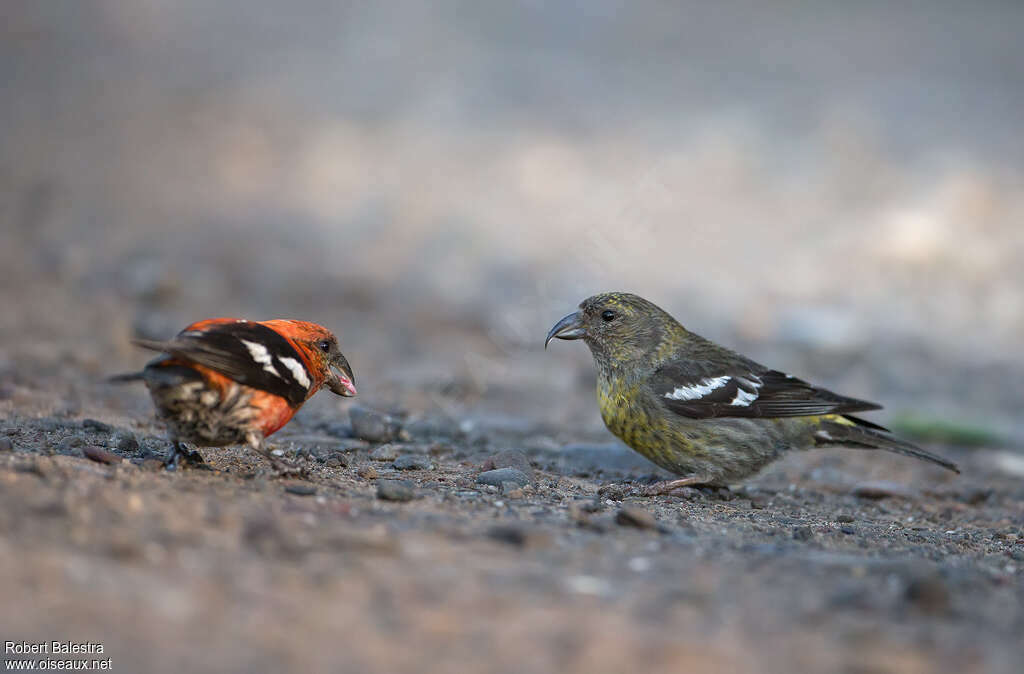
413 462
96 426
630 516
300 489
100 455
395 490
844 519
509 458
337 460
126 442
500 476
6 445
373 426
849 531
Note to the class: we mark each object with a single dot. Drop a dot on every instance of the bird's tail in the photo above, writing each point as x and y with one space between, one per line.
854 432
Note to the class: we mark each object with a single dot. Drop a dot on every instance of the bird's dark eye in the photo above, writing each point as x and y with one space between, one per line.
607 315
324 345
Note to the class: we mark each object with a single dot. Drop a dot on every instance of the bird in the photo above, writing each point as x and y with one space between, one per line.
701 411
225 381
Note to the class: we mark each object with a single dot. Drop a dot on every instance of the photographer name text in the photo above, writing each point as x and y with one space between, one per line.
52 647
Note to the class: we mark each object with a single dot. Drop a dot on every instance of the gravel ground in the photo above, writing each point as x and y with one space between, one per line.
490 545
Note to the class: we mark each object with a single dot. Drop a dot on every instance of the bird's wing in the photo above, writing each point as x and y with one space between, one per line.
245 351
700 393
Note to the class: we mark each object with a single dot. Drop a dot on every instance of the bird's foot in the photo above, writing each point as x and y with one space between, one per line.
669 486
179 456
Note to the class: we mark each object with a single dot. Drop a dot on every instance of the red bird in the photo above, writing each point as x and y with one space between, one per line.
224 381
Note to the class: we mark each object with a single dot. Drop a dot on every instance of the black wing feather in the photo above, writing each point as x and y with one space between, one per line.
222 349
747 392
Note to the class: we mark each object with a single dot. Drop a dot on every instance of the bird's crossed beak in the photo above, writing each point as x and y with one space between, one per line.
341 380
570 327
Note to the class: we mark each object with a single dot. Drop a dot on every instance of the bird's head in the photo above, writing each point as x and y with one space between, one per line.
324 360
618 327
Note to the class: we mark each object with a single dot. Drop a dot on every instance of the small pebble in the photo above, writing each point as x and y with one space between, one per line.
844 519
510 458
849 531
500 476
373 426
6 445
125 441
300 489
337 460
395 490
96 425
631 516
413 462
100 455
367 472
384 453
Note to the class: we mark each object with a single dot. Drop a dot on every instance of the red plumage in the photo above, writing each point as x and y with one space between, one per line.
223 381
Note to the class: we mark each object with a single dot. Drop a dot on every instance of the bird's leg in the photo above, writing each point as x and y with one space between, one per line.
177 453
669 486
282 468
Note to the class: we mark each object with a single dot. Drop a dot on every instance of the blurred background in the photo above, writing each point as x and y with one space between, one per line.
834 188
